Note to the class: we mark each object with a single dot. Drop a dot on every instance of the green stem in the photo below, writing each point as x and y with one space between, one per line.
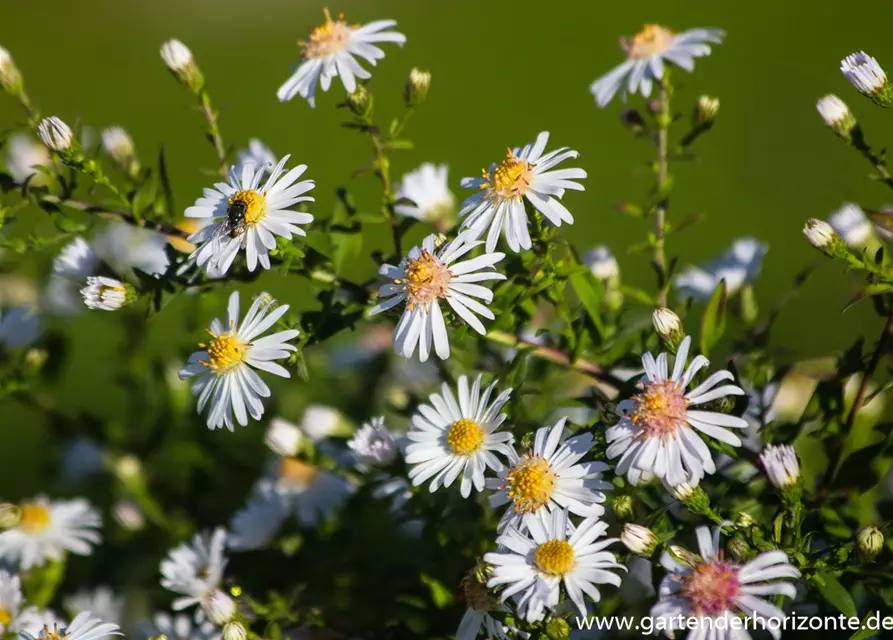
214 132
663 167
384 174
862 146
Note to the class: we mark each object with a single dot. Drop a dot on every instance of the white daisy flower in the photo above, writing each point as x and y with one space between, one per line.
535 564
125 247
76 261
195 569
781 465
19 327
106 294
738 266
247 216
449 438
48 530
656 435
498 204
178 627
258 154
428 275
851 224
647 52
373 445
23 155
83 627
101 602
602 263
225 368
429 190
330 51
551 477
710 587
14 618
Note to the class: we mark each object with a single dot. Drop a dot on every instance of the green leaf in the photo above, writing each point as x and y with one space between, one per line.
41 583
317 241
441 596
348 245
144 197
591 293
835 594
714 323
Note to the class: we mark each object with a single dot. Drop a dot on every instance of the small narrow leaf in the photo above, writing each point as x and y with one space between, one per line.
836 594
713 324
591 293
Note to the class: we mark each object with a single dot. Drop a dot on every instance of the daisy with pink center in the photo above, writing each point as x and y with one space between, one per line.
711 588
657 433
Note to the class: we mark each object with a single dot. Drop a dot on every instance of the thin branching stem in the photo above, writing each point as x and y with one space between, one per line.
663 168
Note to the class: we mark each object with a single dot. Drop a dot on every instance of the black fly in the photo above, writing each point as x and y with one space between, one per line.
235 219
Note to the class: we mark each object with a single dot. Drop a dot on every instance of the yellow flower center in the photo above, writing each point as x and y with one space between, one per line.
530 483
509 179
225 353
554 557
55 633
465 437
296 473
5 618
426 280
651 40
255 204
35 518
660 409
328 38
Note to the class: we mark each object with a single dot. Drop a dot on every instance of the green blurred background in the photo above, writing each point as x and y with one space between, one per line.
503 70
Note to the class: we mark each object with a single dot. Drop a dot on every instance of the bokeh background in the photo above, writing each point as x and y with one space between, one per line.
503 70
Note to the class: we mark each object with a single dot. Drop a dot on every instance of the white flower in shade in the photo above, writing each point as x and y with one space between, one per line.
55 134
83 627
638 539
449 438
224 369
246 215
373 445
258 154
19 327
738 266
283 438
118 144
307 492
656 434
820 234
177 56
332 50
851 224
195 569
647 52
498 204
23 155
178 627
429 190
424 278
106 294
550 478
710 587
14 618
125 247
47 530
76 261
602 263
864 73
321 421
535 565
101 602
781 465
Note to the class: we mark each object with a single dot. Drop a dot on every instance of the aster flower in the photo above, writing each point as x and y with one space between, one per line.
781 465
602 263
195 569
332 50
76 261
498 204
428 275
178 627
225 367
23 157
100 602
125 247
550 554
19 327
246 215
83 627
373 445
656 434
647 53
738 266
47 530
283 438
55 134
710 587
106 294
450 438
851 224
868 77
428 188
258 154
14 617
550 477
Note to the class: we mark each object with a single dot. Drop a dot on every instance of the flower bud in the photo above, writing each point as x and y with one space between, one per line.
107 294
682 492
10 77
417 87
867 76
780 465
870 541
219 607
638 539
821 235
128 468
160 636
179 60
118 144
360 101
705 111
837 115
55 134
739 549
622 506
558 629
128 515
683 555
602 263
283 438
234 631
745 520
10 515
669 327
